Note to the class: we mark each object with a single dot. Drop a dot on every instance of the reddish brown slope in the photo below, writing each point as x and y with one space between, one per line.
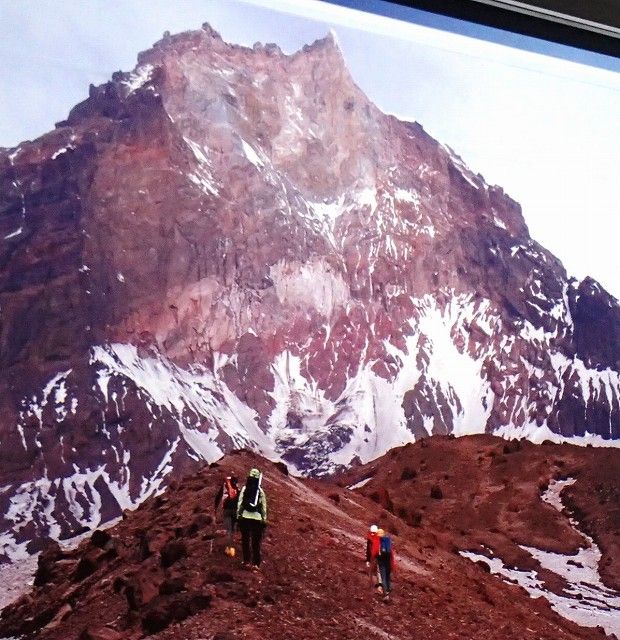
490 495
312 585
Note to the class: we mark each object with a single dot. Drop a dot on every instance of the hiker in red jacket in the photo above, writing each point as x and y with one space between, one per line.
230 492
372 551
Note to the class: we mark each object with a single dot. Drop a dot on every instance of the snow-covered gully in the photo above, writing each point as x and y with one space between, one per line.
585 600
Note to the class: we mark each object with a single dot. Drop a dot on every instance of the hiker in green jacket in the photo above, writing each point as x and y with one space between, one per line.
252 517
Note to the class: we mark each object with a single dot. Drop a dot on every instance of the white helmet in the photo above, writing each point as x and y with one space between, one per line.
374 528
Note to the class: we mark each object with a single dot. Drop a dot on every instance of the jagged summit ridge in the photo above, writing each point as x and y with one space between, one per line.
234 247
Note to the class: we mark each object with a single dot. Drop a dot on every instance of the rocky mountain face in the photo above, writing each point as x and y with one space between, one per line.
161 572
233 247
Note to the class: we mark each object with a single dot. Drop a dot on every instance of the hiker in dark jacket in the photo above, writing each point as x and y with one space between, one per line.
252 517
230 492
385 563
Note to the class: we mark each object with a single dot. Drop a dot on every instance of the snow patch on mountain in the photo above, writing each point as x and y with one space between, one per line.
327 212
62 150
294 395
202 176
540 433
191 396
54 394
138 78
38 502
14 234
586 600
251 155
360 484
408 195
456 372
590 611
369 415
312 285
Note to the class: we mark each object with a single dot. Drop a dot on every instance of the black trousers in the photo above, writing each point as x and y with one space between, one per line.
251 533
384 567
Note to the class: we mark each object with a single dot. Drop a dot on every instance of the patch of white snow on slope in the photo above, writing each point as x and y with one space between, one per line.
571 376
360 484
586 600
138 78
61 151
13 550
14 234
456 372
582 569
371 407
367 198
85 500
202 176
32 501
538 434
80 485
251 155
327 212
35 501
185 392
293 393
411 196
592 383
54 393
583 611
204 181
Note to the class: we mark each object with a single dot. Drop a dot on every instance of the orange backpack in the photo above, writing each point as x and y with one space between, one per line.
231 491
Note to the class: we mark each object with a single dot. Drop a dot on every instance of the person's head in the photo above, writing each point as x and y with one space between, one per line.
232 478
254 473
381 533
373 529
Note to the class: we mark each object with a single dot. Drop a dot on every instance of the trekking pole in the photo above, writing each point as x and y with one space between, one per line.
211 547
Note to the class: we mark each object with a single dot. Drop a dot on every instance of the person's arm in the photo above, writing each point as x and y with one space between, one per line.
263 508
240 503
368 545
218 497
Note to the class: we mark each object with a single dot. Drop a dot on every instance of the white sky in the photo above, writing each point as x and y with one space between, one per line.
547 130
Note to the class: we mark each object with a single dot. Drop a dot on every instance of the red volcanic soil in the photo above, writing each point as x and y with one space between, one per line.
481 491
162 570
